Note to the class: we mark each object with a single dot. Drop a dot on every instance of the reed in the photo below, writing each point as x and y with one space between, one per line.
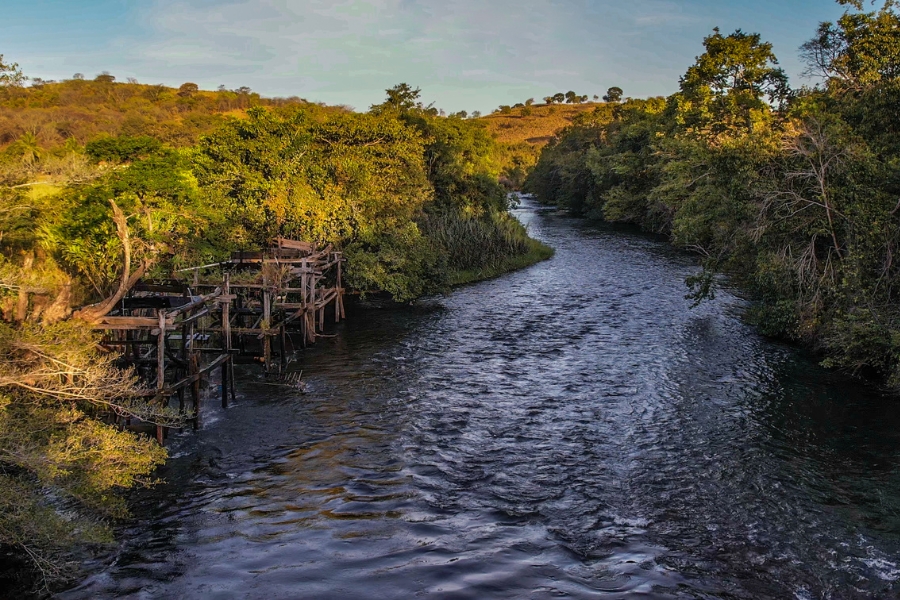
487 245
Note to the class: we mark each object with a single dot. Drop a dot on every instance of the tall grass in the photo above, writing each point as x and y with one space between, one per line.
480 247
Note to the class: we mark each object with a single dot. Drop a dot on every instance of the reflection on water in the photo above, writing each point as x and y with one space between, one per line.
570 430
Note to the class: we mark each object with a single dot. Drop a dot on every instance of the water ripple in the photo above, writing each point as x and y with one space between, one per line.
570 430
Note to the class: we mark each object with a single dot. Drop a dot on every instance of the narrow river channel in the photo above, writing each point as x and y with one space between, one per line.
573 430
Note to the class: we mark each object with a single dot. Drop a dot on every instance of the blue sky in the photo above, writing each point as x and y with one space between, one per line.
464 54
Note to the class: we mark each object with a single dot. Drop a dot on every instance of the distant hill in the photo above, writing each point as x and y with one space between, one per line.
535 125
47 121
525 131
50 114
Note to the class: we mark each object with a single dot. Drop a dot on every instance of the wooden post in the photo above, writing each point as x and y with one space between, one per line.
161 352
308 285
195 387
340 285
184 359
282 350
303 330
225 383
317 316
226 313
226 333
337 289
161 371
304 293
267 326
193 360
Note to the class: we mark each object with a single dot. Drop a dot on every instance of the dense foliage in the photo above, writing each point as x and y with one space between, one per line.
45 126
792 192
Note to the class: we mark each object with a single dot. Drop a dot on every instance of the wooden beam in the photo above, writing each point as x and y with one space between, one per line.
195 303
131 323
195 376
161 352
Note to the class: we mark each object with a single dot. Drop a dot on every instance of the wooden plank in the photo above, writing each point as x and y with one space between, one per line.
291 318
195 317
290 305
128 323
296 245
199 301
127 342
195 376
209 266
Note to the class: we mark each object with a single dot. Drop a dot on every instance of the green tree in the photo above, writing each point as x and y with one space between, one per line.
122 148
10 74
725 89
401 97
613 94
357 181
30 149
186 90
860 50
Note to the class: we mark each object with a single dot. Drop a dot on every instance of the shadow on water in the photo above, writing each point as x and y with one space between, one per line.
570 430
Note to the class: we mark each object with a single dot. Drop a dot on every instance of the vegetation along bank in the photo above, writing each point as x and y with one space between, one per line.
795 193
103 183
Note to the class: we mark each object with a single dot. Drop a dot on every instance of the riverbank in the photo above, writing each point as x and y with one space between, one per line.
537 252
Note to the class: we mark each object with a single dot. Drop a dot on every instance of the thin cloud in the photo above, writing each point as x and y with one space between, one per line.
462 53
381 42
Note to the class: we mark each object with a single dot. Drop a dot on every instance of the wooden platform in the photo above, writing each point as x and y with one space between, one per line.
175 333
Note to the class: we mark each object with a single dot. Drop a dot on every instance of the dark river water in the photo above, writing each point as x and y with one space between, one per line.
572 430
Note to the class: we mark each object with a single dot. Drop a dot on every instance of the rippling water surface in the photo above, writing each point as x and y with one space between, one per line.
570 430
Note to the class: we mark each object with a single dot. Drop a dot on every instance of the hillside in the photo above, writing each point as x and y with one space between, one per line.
47 115
44 127
523 132
535 125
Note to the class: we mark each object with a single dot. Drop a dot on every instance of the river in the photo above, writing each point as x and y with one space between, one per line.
570 430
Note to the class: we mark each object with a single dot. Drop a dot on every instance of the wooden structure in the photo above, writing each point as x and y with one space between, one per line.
243 310
292 286
162 330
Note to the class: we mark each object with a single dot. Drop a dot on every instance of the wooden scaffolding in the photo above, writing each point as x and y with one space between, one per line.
292 286
163 331
176 333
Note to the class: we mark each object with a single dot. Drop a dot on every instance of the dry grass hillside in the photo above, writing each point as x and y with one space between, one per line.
524 131
45 126
535 125
47 115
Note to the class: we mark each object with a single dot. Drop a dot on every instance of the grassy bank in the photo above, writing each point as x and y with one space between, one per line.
537 252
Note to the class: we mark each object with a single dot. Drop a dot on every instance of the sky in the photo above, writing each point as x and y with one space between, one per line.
463 54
